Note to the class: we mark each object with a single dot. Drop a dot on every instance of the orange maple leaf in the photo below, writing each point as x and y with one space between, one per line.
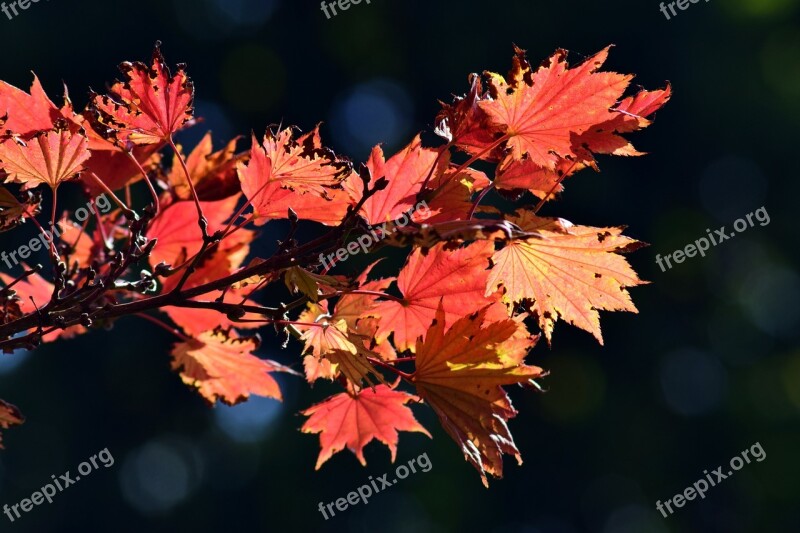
451 195
222 367
50 157
319 368
460 373
629 115
355 310
568 272
328 335
525 174
345 347
281 172
353 420
541 111
344 338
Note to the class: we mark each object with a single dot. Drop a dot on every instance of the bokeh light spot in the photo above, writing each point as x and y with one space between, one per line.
371 113
160 475
769 296
250 421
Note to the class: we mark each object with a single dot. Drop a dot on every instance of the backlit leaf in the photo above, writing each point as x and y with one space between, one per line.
353 420
223 367
568 272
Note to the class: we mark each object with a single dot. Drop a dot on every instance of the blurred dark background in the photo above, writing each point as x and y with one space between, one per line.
709 367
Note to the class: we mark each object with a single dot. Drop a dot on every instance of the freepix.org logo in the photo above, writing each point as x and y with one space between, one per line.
10 9
65 480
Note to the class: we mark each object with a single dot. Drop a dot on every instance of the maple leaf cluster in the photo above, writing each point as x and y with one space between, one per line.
449 331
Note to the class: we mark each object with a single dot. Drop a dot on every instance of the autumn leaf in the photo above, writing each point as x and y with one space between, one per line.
405 171
50 157
353 420
568 272
319 368
213 173
9 416
308 283
629 115
541 111
460 373
301 164
276 201
282 170
352 307
355 308
178 233
222 367
542 182
180 239
466 125
454 277
355 367
148 107
348 340
450 196
327 333
30 113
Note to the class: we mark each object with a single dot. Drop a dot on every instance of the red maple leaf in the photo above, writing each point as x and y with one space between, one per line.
454 278
148 107
353 420
405 171
541 111
29 113
180 239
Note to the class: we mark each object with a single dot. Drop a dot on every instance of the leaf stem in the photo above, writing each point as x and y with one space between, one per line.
390 368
